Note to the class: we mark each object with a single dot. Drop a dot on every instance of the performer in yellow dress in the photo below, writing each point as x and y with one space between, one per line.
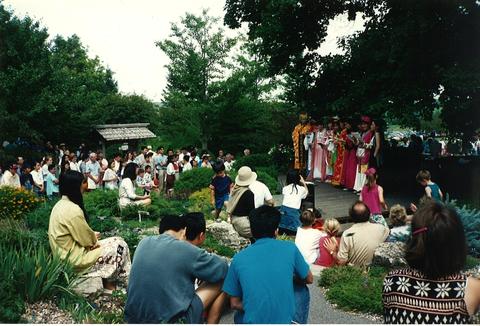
298 136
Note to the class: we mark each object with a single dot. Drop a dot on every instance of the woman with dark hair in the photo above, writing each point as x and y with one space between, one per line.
70 236
170 174
293 193
65 165
432 289
126 191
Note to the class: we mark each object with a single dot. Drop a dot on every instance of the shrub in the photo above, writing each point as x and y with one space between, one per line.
193 180
15 234
11 305
40 217
160 206
212 245
282 157
200 202
352 289
102 203
132 238
34 272
103 224
16 202
471 223
254 161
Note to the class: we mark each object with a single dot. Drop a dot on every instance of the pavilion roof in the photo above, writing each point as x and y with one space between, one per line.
130 131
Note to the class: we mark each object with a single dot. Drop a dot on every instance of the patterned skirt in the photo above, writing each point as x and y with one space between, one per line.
113 263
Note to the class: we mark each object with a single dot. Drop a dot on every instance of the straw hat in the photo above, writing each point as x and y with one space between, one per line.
245 176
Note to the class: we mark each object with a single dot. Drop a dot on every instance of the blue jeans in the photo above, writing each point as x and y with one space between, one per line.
302 303
290 218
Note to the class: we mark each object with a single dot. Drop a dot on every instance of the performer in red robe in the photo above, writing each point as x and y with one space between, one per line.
349 158
338 168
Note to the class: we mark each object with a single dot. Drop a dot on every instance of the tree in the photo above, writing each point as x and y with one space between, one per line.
198 52
412 56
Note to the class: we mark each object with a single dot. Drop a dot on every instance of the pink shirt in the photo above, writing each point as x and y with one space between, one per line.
371 199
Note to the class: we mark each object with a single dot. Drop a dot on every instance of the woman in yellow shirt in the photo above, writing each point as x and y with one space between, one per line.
70 235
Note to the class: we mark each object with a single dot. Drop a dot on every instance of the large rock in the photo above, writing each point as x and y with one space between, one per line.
227 236
88 286
390 254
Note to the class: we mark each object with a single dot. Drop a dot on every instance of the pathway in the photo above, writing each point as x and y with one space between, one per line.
321 312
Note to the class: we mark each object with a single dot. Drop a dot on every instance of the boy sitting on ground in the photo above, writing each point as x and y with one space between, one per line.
161 285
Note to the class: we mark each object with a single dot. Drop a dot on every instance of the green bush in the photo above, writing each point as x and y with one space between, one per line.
193 180
353 289
103 225
102 203
15 234
160 206
11 305
40 217
212 245
131 237
34 272
254 161
15 203
200 202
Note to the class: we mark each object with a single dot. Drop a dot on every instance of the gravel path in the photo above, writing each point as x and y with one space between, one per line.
321 312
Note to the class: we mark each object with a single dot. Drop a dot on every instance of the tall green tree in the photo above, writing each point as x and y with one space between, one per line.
198 52
412 57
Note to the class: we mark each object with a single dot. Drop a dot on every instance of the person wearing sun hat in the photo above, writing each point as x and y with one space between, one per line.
242 202
11 177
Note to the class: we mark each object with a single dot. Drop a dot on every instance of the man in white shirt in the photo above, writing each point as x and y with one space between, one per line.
140 159
261 194
228 162
117 163
92 171
10 177
37 175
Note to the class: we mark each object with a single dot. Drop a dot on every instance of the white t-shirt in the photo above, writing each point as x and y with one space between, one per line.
307 241
187 167
228 165
9 179
74 166
45 170
261 193
293 197
126 192
109 175
170 169
37 177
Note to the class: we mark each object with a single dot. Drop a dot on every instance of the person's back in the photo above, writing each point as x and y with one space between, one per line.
260 278
161 279
265 271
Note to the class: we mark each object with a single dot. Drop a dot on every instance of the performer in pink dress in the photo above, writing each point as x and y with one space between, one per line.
363 153
318 162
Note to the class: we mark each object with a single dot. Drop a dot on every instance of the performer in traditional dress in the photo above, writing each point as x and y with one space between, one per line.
340 146
363 153
319 162
298 136
309 144
349 158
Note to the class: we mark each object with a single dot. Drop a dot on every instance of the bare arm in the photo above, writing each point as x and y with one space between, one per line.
378 144
428 192
236 303
332 246
380 197
472 295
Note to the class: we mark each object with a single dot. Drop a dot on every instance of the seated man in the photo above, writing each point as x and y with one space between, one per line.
260 278
195 234
161 285
358 243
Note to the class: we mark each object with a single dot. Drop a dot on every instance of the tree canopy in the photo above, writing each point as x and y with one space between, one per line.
412 58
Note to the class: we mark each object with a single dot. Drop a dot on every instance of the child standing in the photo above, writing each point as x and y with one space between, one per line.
220 188
308 238
372 196
325 258
148 180
432 190
293 193
170 175
52 182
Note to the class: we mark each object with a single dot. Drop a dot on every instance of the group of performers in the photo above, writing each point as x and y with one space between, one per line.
331 151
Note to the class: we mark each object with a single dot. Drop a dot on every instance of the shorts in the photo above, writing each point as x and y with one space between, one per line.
193 315
220 200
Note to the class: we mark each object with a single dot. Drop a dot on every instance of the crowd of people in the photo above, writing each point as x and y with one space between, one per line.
173 280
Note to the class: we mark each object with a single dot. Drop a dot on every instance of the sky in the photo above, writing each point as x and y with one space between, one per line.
122 33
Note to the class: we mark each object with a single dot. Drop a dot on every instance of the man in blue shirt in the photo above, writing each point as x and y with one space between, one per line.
161 283
260 278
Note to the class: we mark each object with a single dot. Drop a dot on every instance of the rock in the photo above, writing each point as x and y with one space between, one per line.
390 254
46 312
227 236
88 286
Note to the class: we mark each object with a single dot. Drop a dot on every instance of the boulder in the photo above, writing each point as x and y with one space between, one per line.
88 286
226 235
390 254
